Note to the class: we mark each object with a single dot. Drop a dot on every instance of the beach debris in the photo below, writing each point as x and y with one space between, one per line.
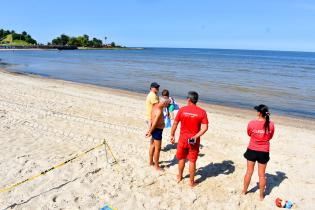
283 203
3 111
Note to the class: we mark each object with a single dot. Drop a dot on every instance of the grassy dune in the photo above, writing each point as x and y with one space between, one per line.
9 41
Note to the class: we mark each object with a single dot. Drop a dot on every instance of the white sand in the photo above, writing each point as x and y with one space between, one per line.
44 122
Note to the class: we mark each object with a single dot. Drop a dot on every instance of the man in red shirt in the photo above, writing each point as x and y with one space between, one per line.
194 123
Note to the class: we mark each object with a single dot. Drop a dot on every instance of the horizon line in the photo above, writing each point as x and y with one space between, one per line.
209 48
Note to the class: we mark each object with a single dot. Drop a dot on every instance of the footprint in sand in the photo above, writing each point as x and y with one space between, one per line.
54 198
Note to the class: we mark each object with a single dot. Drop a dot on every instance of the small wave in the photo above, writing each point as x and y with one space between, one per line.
2 64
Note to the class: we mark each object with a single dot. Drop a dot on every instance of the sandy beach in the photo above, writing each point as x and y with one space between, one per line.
44 122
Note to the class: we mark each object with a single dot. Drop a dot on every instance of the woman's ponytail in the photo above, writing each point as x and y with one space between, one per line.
264 110
267 122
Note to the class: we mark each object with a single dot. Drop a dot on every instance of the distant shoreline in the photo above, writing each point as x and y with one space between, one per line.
80 48
111 48
26 49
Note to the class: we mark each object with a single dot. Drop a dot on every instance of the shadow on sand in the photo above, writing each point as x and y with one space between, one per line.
174 161
169 147
169 163
271 182
214 169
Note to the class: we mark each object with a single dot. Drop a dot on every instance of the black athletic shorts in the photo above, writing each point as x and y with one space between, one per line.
260 157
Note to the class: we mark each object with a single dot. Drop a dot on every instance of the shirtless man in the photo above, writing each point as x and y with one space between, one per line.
156 130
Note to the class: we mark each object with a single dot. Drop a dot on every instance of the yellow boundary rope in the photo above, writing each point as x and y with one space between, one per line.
110 150
10 187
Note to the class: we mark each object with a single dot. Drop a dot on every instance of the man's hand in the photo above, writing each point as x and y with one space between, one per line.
148 133
174 127
194 137
172 139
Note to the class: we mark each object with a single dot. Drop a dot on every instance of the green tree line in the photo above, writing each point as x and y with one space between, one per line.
16 36
63 40
79 41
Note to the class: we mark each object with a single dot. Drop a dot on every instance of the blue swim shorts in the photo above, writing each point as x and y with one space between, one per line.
157 134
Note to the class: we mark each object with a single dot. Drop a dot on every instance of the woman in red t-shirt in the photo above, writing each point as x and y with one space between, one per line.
261 132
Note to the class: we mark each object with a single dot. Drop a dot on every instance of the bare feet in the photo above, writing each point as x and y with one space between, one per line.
261 197
179 178
158 168
192 183
243 192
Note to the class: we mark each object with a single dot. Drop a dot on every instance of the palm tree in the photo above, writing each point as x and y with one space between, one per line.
105 40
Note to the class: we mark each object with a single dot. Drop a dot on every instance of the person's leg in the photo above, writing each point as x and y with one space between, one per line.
248 175
181 166
192 157
262 180
181 155
157 149
192 169
151 152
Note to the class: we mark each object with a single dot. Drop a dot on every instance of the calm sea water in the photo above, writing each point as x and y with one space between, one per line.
285 81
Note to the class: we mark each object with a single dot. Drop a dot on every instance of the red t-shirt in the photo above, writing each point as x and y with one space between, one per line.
191 117
259 140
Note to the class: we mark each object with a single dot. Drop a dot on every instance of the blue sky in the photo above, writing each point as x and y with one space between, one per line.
237 24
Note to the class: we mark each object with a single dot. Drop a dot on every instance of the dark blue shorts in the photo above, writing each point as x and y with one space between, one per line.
157 134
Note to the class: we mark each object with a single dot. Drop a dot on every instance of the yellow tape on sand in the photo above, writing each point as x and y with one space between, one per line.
10 187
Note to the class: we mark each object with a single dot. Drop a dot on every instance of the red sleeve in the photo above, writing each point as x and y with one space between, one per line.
178 116
249 129
204 119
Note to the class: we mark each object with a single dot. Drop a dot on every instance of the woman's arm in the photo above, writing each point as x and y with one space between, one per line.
272 130
249 129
